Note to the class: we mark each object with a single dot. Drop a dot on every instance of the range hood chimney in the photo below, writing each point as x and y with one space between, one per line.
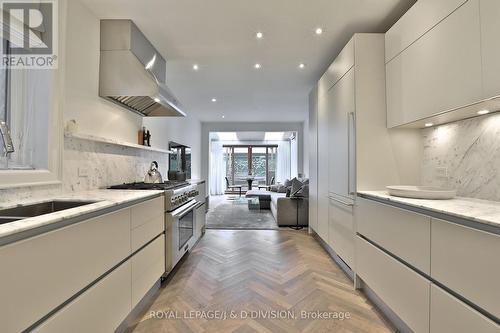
132 72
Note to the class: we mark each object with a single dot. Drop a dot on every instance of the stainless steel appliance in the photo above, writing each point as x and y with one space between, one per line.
180 216
132 72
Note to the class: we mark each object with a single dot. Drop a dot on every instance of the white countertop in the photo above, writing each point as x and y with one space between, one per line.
106 199
482 211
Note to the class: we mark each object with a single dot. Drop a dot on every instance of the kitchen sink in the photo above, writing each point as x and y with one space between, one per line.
23 212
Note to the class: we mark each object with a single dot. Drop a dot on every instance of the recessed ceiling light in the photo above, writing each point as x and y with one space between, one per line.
223 117
429 124
214 100
259 35
318 31
483 112
195 67
257 66
157 100
302 65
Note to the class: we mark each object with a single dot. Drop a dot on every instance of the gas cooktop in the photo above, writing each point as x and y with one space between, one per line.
167 185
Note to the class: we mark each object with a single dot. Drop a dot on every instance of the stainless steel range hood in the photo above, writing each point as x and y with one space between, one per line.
132 72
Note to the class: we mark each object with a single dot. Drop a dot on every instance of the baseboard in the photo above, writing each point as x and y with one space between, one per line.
341 263
132 320
390 316
385 310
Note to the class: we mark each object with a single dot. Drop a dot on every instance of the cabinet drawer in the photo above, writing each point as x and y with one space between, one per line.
466 261
40 273
341 233
449 314
147 211
148 266
405 234
419 19
146 232
403 290
100 309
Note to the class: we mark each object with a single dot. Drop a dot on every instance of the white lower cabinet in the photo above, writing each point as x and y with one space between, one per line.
465 260
405 234
147 222
449 314
99 309
403 290
148 266
42 272
341 233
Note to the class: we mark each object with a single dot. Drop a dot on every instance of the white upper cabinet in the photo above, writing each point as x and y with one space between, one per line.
440 70
490 44
424 15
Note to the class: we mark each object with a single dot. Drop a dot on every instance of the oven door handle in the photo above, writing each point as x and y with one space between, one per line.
184 210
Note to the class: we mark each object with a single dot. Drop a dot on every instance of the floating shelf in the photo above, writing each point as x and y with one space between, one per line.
95 138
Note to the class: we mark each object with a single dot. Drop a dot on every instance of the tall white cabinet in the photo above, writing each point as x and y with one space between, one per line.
355 150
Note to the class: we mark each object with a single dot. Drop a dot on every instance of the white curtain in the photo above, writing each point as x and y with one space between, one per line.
283 162
217 169
294 157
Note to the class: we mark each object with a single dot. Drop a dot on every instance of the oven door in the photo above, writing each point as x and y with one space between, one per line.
186 227
180 230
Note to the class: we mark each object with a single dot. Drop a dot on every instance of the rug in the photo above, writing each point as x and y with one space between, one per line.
233 213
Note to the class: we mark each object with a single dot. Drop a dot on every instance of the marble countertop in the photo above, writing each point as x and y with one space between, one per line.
482 211
105 199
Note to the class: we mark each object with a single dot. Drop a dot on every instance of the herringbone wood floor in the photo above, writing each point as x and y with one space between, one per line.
265 270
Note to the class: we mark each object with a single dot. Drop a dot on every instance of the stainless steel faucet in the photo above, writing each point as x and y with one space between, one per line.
6 138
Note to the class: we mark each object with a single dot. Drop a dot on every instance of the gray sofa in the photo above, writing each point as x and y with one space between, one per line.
283 209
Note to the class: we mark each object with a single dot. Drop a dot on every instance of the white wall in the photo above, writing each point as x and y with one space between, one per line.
94 115
186 131
106 164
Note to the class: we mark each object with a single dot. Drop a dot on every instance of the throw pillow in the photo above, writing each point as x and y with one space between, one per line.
288 183
296 187
281 188
274 188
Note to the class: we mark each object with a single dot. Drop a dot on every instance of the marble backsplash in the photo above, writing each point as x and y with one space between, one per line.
103 165
464 155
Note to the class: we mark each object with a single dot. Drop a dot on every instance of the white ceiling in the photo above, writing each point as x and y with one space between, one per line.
219 36
250 136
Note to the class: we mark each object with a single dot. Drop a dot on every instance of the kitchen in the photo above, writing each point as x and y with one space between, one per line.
410 191
102 205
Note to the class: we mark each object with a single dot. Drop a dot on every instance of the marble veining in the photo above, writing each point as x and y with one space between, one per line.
477 210
104 199
464 155
106 164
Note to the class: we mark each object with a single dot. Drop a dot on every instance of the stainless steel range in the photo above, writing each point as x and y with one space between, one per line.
180 205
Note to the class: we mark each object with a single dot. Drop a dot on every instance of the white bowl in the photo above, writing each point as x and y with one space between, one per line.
421 192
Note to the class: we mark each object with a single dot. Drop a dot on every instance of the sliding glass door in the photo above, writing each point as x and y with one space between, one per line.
250 164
